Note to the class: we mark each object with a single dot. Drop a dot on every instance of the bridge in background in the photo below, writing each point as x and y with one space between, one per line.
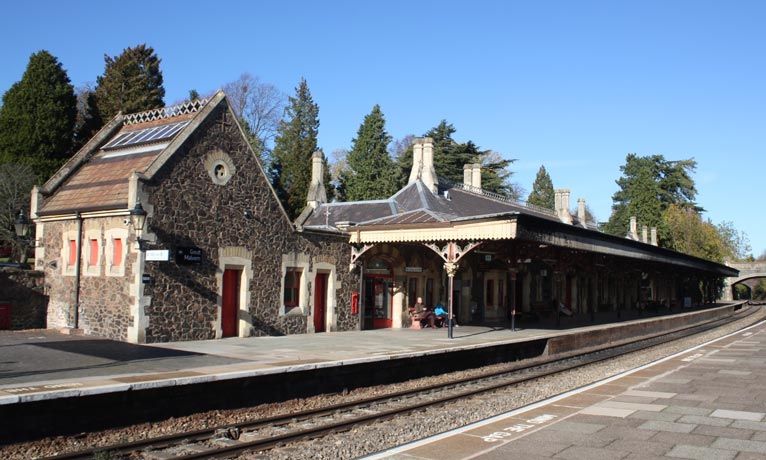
747 271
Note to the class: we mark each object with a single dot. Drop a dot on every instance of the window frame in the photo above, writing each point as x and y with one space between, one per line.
294 287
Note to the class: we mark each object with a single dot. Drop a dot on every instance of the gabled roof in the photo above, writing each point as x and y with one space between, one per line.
97 178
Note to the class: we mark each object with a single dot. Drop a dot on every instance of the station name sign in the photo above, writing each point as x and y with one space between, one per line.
162 255
188 256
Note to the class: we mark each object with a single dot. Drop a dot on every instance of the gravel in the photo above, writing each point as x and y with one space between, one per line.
372 438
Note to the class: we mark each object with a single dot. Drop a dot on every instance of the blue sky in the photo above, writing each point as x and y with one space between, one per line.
574 86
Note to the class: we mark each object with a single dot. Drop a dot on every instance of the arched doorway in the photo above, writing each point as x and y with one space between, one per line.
377 298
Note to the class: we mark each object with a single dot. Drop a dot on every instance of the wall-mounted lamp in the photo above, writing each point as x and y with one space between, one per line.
21 225
137 221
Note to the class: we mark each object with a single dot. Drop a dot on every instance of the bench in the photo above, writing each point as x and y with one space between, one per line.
415 320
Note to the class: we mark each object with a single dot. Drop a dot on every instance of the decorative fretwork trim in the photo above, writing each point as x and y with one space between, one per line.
165 112
452 252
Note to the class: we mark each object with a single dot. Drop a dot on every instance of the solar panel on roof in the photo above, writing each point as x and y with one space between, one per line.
141 136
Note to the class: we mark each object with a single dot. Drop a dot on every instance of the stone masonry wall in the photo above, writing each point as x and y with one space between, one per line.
104 300
24 291
191 210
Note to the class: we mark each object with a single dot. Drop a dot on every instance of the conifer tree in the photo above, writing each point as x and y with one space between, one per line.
450 157
37 117
542 193
132 82
294 145
648 187
369 173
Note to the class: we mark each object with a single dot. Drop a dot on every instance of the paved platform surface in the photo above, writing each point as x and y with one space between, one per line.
705 404
44 364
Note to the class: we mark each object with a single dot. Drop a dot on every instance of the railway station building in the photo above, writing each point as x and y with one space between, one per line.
492 257
164 227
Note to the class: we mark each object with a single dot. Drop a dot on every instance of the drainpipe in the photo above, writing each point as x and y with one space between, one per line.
77 273
360 310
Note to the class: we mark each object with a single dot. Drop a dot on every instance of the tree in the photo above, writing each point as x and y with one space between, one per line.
16 183
737 243
450 157
132 82
649 186
258 107
688 233
37 117
369 173
542 193
295 143
88 120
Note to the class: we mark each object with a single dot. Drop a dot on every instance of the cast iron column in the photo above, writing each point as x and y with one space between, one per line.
451 269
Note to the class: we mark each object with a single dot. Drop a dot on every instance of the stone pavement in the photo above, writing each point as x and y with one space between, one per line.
708 403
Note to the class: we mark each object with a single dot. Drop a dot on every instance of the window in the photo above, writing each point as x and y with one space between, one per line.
117 252
93 259
430 292
72 253
292 287
115 249
412 291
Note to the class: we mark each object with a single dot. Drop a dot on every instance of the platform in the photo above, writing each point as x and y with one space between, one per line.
45 375
45 364
706 403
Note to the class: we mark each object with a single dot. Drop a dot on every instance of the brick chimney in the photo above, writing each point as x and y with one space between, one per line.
317 194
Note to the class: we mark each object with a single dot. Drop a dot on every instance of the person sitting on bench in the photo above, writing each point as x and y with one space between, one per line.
422 314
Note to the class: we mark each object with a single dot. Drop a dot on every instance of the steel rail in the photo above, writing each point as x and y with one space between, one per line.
558 363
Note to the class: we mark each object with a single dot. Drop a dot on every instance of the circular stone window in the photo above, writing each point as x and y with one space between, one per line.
219 167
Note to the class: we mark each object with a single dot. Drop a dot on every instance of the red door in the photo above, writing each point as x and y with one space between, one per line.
230 302
320 300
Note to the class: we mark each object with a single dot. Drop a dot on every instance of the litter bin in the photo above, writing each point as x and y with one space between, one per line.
5 315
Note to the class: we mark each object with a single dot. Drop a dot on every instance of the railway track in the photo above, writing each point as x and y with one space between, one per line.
267 433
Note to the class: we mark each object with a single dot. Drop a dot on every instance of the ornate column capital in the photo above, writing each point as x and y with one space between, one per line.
451 269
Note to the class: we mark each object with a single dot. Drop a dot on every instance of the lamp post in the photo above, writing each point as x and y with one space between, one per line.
21 226
138 220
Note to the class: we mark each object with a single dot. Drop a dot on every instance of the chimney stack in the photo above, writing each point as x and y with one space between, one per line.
476 175
562 205
317 194
633 231
467 175
417 160
423 164
581 212
428 176
644 234
654 236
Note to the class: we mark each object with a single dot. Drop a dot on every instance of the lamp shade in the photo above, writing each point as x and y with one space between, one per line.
138 216
21 225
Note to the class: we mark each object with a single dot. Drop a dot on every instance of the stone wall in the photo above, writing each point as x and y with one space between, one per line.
25 291
104 300
191 209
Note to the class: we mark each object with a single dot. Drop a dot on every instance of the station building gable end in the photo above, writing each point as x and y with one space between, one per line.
208 264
